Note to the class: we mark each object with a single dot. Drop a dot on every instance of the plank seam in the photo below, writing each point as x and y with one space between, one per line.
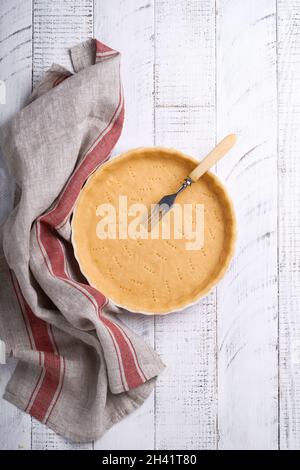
154 142
278 235
216 291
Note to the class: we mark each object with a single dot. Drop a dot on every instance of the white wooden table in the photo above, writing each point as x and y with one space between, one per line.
193 71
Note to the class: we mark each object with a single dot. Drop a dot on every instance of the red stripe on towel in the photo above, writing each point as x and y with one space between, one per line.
49 385
55 260
61 78
49 382
98 153
100 48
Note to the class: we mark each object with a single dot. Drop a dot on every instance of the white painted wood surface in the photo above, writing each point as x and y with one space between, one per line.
16 72
247 297
129 28
185 119
289 221
57 26
192 72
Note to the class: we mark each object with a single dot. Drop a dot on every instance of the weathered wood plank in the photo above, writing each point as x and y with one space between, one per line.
289 221
15 426
15 54
247 297
44 438
185 412
16 72
57 26
184 52
186 393
128 27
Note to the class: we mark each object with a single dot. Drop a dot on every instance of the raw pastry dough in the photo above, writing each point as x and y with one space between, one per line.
152 276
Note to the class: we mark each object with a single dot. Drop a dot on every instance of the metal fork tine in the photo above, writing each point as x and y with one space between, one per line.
147 218
160 211
154 213
154 221
162 207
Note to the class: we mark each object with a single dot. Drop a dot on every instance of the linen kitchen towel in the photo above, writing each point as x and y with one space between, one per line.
79 369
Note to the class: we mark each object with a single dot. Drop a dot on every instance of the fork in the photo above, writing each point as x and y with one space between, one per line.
163 206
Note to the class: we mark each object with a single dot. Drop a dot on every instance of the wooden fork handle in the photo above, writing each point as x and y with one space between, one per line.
216 154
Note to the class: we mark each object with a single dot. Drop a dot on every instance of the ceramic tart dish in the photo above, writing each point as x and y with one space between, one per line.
153 276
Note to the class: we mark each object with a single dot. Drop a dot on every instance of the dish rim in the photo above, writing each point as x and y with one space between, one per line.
231 247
